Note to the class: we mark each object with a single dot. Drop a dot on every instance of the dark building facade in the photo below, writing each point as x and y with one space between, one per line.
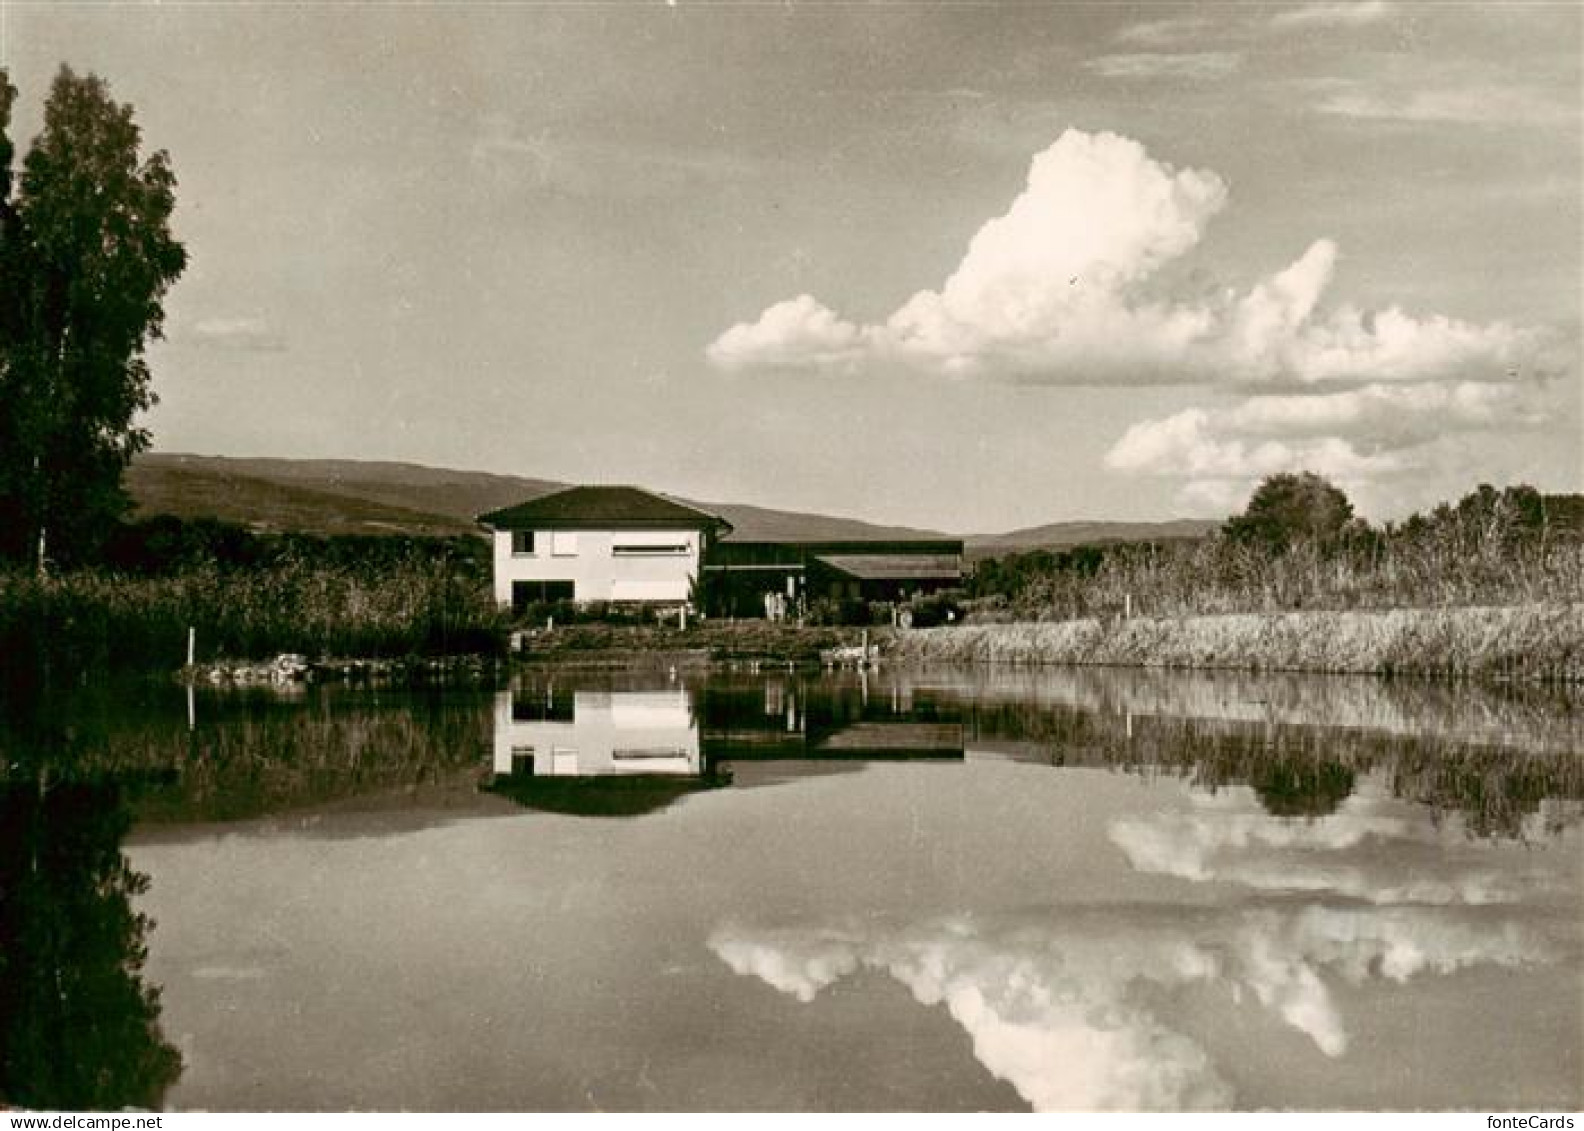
753 578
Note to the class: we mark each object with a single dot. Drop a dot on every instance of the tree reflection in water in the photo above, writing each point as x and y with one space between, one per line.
79 1025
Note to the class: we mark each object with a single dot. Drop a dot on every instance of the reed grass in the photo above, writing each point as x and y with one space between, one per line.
1446 568
96 620
1542 641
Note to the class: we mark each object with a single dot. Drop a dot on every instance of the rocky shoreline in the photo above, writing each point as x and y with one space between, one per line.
291 668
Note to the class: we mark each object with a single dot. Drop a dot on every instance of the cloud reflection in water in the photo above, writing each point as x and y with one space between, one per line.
1093 1007
1056 1003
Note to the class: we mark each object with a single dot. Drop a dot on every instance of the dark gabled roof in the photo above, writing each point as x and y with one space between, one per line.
895 567
601 508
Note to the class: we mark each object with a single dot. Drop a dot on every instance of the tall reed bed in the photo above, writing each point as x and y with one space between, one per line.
1535 641
91 619
1508 547
1216 575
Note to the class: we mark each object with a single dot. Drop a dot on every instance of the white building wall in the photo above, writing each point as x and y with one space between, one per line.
596 570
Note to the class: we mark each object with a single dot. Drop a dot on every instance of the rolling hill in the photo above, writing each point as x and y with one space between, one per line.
321 496
371 497
1061 535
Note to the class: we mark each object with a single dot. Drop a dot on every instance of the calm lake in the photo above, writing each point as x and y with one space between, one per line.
911 889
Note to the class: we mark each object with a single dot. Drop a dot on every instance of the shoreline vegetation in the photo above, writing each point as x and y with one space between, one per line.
1489 588
321 625
1530 642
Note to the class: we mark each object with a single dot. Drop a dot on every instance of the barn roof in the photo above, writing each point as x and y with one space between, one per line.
895 567
601 508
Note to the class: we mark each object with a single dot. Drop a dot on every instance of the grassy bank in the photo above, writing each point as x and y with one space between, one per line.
1535 641
94 620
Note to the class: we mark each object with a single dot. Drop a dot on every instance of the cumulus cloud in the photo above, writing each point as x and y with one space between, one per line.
1065 288
1041 287
1053 1006
800 332
1352 436
1071 285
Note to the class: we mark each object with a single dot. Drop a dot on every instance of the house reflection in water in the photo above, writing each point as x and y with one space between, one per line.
561 732
624 750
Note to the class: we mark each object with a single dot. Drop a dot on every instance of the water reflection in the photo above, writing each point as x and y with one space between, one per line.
553 732
1496 758
1083 1010
1500 762
79 1024
1368 850
1339 832
613 746
1110 889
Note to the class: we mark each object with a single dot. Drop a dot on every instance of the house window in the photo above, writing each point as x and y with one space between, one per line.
523 543
630 551
525 593
563 543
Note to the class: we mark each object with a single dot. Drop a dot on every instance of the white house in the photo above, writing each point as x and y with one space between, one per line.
599 544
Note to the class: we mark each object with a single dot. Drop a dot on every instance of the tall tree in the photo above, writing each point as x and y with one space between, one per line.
86 256
1288 508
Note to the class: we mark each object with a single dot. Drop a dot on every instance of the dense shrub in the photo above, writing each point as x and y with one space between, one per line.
934 609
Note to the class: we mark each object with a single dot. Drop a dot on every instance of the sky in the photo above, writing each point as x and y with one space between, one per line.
962 266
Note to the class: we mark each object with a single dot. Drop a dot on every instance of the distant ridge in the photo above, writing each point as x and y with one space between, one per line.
1063 535
333 496
761 524
322 496
339 496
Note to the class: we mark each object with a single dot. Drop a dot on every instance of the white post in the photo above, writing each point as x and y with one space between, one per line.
1127 606
682 618
192 644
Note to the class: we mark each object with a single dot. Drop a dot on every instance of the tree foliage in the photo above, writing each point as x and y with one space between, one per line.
86 257
1289 508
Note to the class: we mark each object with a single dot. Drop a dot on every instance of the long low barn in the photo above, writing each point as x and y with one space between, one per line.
624 544
741 574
